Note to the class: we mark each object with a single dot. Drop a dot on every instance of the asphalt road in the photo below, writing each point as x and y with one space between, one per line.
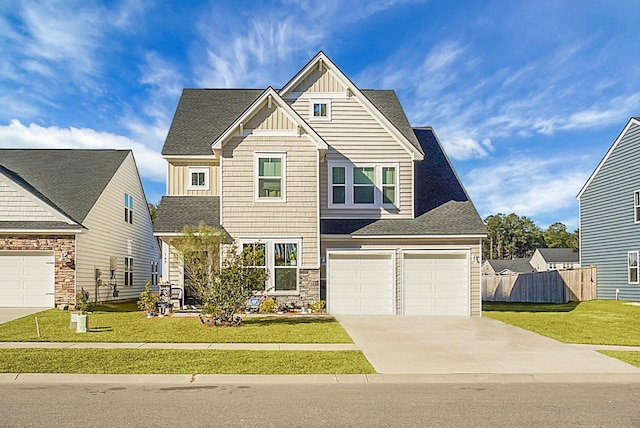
333 405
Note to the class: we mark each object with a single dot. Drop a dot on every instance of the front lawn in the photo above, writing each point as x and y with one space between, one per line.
629 357
121 323
168 361
598 322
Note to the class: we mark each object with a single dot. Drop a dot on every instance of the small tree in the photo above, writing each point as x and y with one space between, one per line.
148 299
82 300
224 284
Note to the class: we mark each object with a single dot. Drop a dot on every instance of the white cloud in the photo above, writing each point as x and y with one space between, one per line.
526 185
17 135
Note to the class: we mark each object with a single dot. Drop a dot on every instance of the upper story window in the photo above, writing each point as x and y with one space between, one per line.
270 177
363 185
632 267
319 110
636 206
128 208
198 178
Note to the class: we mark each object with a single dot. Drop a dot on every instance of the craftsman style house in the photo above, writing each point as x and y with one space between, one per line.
610 218
71 220
349 202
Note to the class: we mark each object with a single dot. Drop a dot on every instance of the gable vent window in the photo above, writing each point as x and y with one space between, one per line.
636 206
128 208
320 110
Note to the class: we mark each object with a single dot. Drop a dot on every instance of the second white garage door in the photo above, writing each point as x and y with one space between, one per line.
436 284
27 279
360 284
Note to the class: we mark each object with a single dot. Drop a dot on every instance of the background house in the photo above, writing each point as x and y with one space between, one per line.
72 219
349 202
506 267
610 217
544 259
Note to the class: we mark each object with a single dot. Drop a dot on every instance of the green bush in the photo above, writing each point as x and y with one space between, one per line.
267 306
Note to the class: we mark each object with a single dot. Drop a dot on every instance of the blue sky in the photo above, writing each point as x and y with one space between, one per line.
525 96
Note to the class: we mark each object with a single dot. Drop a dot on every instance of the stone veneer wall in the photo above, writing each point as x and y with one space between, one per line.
64 271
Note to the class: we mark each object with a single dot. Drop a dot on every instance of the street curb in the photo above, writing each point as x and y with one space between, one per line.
317 379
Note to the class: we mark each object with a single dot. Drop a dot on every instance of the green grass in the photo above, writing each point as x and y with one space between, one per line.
598 322
123 323
630 357
164 361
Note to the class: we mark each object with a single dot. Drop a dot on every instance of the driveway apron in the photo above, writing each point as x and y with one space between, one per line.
10 314
462 345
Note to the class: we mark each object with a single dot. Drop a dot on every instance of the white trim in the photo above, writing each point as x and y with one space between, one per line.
270 132
359 252
283 176
350 186
38 231
337 237
632 121
317 100
197 170
416 251
212 156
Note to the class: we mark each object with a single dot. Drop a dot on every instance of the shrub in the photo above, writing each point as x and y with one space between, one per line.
82 300
267 306
148 298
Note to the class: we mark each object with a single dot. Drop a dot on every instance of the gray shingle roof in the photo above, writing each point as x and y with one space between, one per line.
203 115
559 255
69 180
37 225
515 265
175 212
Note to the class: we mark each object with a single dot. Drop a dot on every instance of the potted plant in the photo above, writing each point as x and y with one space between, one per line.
148 300
82 304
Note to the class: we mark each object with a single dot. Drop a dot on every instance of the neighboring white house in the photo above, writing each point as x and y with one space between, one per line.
349 202
544 259
72 219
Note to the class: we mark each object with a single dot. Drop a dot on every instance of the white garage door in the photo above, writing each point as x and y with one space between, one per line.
360 284
436 284
27 279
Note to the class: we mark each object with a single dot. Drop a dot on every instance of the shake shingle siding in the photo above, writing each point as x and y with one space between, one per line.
607 228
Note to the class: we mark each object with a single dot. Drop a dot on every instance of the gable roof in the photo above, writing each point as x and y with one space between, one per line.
516 265
632 121
442 206
406 138
176 212
269 95
559 255
68 180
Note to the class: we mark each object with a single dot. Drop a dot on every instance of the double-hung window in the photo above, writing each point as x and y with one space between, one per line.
280 257
270 177
363 185
636 206
128 208
198 178
632 267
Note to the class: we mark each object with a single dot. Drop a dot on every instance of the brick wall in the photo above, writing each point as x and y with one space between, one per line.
64 271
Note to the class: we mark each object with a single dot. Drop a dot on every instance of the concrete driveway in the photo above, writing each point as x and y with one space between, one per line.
10 314
461 345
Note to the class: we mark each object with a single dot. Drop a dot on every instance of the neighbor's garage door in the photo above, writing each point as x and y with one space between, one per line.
436 284
27 279
360 284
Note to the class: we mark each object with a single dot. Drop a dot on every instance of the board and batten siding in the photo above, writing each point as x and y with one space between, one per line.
432 245
267 119
178 179
242 216
108 234
354 135
607 227
17 204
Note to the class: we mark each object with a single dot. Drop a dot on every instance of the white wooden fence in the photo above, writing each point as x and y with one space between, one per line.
555 286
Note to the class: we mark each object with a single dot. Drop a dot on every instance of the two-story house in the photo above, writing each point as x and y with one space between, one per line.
71 220
350 203
610 218
544 259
